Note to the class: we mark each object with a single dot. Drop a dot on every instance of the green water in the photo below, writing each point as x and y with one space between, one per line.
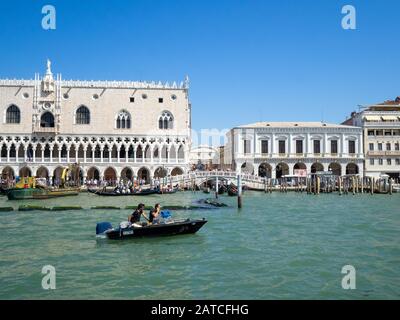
280 246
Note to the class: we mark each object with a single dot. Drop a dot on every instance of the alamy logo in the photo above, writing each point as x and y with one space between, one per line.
49 280
349 20
49 20
349 280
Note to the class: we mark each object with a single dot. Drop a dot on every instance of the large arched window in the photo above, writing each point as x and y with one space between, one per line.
13 115
82 115
47 120
166 120
123 120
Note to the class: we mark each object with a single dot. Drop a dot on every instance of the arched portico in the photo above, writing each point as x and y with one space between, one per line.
352 168
335 168
282 169
144 174
265 170
317 167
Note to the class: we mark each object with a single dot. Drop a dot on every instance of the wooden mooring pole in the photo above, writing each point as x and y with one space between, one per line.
216 187
239 187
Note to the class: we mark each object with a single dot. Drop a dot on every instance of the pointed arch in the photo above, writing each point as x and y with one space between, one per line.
166 120
123 120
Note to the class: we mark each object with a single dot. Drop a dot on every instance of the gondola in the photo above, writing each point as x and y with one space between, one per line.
3 191
221 189
167 191
119 194
232 192
175 227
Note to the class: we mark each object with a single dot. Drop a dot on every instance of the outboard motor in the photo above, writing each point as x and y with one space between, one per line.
102 227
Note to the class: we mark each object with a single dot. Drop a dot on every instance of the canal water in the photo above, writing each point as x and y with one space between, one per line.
279 246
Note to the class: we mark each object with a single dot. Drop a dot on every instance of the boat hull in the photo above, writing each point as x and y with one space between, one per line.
36 193
115 194
157 230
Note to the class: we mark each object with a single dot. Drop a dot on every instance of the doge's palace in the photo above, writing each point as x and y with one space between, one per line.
113 129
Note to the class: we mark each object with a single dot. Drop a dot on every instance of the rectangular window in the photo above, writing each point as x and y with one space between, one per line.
352 147
334 147
246 146
380 146
380 162
389 162
160 100
317 146
397 162
388 146
397 146
132 99
371 132
388 132
299 146
371 162
282 146
371 147
264 146
379 132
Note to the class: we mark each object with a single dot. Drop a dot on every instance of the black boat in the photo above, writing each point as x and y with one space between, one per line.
172 228
167 191
3 191
221 189
232 191
145 192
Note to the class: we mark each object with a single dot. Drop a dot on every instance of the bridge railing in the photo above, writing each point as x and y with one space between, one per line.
201 175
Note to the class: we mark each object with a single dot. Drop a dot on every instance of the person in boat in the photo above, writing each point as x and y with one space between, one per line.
137 214
155 214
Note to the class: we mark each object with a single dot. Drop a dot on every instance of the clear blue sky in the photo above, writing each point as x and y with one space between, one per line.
247 60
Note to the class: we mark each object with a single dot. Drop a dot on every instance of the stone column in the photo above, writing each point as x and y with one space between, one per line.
273 171
326 144
118 157
84 156
25 153
342 142
272 144
360 147
51 154
8 154
134 154
76 154
59 154
68 150
101 154
126 155
42 154
34 154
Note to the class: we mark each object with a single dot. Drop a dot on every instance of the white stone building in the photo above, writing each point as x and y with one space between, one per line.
114 129
274 149
381 128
